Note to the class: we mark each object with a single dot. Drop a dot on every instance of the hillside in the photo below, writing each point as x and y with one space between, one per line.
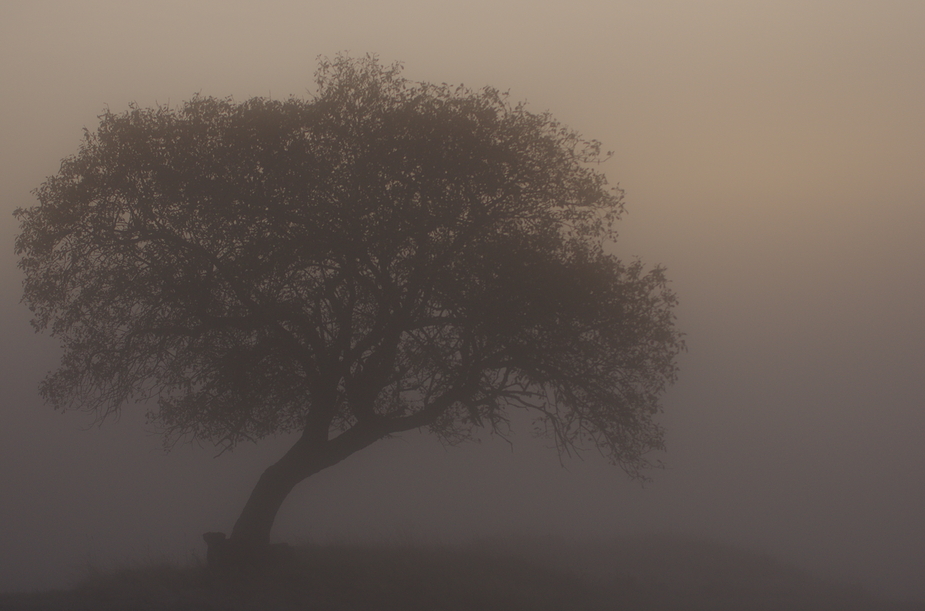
646 574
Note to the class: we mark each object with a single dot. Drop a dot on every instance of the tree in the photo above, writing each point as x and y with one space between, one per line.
384 256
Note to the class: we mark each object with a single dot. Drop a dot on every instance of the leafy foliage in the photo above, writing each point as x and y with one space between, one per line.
390 252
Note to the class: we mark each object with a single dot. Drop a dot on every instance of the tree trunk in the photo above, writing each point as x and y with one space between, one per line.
250 538
305 458
252 528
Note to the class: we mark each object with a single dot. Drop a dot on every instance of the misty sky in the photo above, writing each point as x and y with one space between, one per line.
772 155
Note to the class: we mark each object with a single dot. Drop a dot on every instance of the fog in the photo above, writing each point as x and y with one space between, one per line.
771 154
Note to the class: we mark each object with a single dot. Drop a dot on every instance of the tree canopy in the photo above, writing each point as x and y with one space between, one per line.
381 256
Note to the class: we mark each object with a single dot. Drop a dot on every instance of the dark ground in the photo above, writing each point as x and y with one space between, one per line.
645 574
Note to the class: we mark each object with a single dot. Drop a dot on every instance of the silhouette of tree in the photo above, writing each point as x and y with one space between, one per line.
383 256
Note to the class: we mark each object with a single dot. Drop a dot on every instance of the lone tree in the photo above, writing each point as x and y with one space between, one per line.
384 256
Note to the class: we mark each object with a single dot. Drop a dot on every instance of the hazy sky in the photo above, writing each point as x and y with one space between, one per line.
772 155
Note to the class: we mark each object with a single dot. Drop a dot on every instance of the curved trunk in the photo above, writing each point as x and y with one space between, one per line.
252 529
313 452
250 537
